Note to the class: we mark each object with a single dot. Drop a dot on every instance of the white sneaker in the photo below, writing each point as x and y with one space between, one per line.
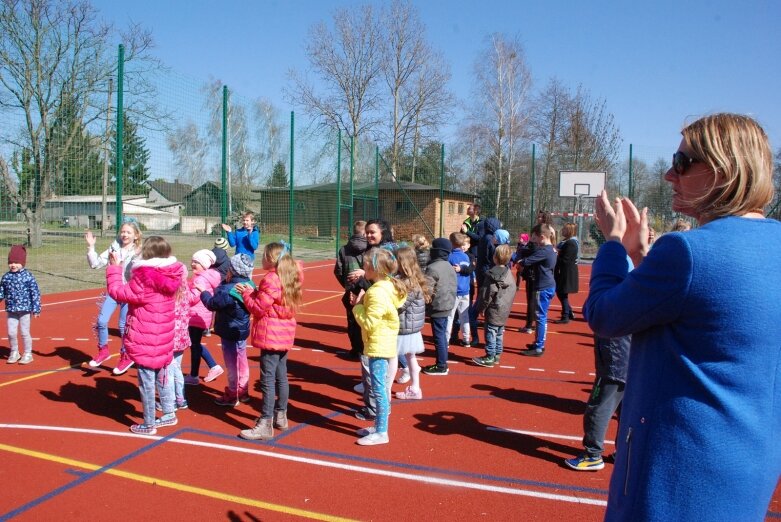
366 431
372 439
26 358
13 358
404 377
358 387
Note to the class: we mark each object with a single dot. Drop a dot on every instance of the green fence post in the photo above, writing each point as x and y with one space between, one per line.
376 182
352 177
442 192
224 178
119 167
631 180
531 203
291 203
338 191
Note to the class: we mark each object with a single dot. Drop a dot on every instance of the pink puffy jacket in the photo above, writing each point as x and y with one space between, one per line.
274 325
151 298
200 316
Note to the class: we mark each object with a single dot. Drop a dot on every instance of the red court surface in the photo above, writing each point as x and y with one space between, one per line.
484 443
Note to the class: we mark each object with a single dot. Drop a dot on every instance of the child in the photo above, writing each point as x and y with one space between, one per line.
200 317
543 260
232 325
443 298
412 317
527 273
495 300
273 306
422 250
463 265
126 246
247 238
350 258
22 297
377 315
157 287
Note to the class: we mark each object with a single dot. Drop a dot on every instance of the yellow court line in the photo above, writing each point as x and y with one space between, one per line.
43 374
323 299
176 485
321 315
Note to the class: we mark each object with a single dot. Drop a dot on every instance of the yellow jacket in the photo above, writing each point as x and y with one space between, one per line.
378 318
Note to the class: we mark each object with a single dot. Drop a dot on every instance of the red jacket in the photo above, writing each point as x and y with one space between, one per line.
274 325
151 297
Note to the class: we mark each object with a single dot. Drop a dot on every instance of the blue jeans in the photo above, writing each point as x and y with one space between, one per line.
148 379
176 373
106 311
439 327
273 382
378 367
494 339
544 298
197 350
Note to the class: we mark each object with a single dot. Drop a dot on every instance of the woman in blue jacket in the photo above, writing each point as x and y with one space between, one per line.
701 418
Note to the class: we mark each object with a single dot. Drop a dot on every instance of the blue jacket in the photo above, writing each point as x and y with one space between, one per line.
231 320
543 261
245 241
486 248
463 278
20 291
701 414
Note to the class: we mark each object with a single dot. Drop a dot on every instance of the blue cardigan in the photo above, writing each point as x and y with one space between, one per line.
700 430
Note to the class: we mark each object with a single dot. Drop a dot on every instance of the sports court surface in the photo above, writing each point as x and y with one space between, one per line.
484 443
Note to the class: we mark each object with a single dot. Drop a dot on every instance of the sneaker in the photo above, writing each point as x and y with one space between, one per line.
563 320
143 429
366 431
166 420
526 330
359 387
466 344
26 358
124 363
585 463
409 393
372 439
364 415
13 358
487 361
532 352
181 404
207 332
227 400
435 370
213 373
158 406
101 357
404 377
192 380
245 398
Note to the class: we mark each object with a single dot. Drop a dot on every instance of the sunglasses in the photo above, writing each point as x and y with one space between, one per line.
682 162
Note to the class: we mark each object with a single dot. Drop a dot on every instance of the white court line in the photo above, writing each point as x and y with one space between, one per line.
82 339
337 465
543 434
536 369
567 372
508 367
58 338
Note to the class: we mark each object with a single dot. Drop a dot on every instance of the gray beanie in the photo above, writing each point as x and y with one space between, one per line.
241 264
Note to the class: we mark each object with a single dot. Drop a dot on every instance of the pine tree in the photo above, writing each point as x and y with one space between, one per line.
278 176
135 156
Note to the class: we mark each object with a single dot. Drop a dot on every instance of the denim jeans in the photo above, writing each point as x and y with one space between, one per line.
176 371
106 311
603 402
198 351
494 339
544 298
148 380
236 365
273 382
378 368
441 340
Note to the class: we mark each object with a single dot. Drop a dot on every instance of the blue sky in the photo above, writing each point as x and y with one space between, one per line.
657 64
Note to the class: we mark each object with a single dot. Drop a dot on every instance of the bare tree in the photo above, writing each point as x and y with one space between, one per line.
548 127
190 152
347 62
269 135
53 54
502 88
593 140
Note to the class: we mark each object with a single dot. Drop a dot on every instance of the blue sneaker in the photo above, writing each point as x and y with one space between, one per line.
585 462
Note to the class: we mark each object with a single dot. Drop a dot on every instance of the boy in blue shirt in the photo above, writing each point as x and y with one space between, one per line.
463 265
543 261
247 238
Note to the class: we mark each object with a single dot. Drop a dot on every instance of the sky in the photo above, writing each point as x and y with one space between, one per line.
657 64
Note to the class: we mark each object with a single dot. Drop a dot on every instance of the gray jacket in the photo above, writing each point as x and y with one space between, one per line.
412 314
443 282
495 297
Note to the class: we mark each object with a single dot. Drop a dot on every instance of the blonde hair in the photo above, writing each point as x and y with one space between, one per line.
287 271
385 264
420 242
155 246
737 149
410 273
136 230
359 227
502 255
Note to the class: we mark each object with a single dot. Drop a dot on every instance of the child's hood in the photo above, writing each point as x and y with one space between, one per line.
396 298
491 225
164 275
497 275
356 245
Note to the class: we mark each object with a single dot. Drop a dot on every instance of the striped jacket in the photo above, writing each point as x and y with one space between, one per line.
274 324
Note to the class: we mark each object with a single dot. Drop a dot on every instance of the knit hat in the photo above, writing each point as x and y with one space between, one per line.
18 254
241 264
222 243
440 248
205 258
502 237
524 237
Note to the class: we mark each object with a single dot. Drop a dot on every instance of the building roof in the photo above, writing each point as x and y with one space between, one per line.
173 192
367 186
110 198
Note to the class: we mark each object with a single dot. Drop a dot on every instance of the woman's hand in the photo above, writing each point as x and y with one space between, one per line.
355 275
226 228
356 298
113 258
611 221
636 237
90 238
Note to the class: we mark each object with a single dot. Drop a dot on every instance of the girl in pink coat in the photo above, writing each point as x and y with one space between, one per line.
155 294
200 316
273 307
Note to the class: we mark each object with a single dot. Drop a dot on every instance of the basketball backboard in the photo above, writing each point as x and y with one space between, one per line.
573 184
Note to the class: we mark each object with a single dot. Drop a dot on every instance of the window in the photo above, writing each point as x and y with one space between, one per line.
451 207
460 208
403 206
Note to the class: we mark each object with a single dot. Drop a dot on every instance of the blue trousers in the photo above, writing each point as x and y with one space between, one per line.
378 368
439 327
544 298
